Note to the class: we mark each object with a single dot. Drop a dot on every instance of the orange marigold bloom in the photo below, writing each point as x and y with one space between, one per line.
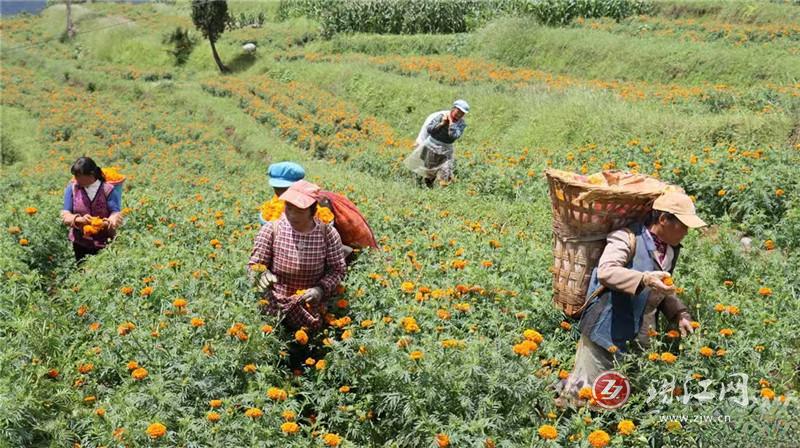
31 210
253 413
599 438
139 374
127 290
290 428
726 332
197 322
416 355
668 357
407 287
146 291
274 393
764 291
156 430
331 439
768 393
100 412
344 389
566 326
249 368
132 365
215 403
125 328
86 368
179 302
442 440
626 427
213 417
769 244
585 393
547 432
23 242
288 415
53 373
301 337
707 352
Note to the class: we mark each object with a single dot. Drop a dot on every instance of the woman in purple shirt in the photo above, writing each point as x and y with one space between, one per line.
90 196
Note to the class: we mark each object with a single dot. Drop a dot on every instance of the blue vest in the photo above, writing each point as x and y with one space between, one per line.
613 317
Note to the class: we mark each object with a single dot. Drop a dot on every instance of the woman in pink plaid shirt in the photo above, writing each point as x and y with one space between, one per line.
303 258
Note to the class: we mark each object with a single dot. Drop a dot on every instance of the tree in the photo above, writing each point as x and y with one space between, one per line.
210 17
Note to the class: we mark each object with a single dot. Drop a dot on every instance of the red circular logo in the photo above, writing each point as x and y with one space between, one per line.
611 389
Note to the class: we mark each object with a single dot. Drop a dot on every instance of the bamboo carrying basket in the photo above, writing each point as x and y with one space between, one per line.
583 214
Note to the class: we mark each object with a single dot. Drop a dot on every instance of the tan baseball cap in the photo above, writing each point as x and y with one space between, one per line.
680 205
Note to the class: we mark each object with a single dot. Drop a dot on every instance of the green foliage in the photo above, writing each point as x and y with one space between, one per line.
210 17
183 43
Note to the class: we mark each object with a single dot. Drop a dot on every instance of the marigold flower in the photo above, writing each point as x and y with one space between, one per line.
301 337
125 328
726 332
249 368
197 322
585 393
668 357
768 393
100 412
290 428
31 210
23 242
599 438
53 373
673 334
563 374
179 303
707 352
14 230
525 348
146 291
443 314
86 368
764 291
442 440
344 389
94 326
156 430
416 355
132 365
769 244
253 413
673 425
407 287
566 326
126 290
139 374
626 427
274 393
321 364
547 432
215 403
213 417
331 439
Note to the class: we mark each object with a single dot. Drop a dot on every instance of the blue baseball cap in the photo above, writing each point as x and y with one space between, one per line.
284 174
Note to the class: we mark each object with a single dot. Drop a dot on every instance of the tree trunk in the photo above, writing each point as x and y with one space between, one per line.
222 68
70 29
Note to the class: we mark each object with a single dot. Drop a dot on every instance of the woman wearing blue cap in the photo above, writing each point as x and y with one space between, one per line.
433 156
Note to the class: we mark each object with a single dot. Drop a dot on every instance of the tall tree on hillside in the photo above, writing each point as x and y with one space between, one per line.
210 17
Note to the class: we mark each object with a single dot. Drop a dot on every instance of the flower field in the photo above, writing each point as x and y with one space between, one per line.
446 335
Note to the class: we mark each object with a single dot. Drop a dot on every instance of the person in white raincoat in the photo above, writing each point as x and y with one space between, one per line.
433 156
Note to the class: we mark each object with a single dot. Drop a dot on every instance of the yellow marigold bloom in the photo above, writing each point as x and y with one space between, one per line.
331 439
146 291
179 303
301 337
139 374
626 427
416 355
673 425
768 393
215 403
668 357
290 428
463 307
407 287
249 368
23 242
533 335
197 322
213 417
726 332
585 393
266 329
450 343
253 413
156 430
409 325
112 174
721 193
599 438
321 364
547 432
325 215
277 394
707 352
442 440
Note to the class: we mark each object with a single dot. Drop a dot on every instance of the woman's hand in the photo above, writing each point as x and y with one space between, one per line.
114 221
312 294
685 326
655 281
80 221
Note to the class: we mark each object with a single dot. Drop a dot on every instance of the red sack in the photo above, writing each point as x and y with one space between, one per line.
349 222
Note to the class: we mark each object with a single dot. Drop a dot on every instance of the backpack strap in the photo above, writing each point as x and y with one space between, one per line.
602 289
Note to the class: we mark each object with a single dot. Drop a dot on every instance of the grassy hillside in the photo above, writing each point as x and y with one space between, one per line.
677 94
